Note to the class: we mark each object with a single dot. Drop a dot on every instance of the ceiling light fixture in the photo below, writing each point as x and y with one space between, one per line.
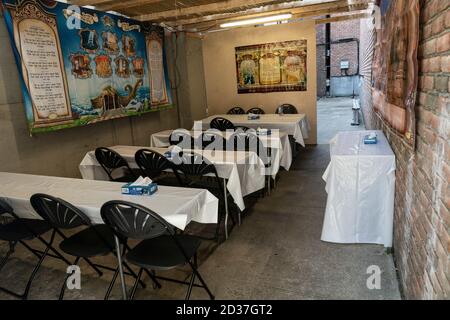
256 21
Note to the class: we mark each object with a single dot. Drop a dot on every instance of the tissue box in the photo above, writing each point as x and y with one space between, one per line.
253 117
369 140
139 190
264 132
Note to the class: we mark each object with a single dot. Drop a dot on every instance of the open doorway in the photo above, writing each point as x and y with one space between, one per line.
338 78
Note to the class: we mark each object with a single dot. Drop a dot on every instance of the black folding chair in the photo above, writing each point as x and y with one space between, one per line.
199 173
157 167
92 241
256 111
221 124
112 162
286 109
182 138
19 231
265 154
236 110
213 139
249 141
241 128
160 249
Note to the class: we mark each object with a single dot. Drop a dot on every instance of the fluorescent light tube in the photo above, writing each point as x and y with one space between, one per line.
256 21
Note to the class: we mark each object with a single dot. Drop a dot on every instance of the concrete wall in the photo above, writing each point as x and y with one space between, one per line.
190 78
422 202
59 153
345 86
220 70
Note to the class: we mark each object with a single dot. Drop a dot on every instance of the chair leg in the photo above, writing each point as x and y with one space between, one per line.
111 285
93 267
194 269
218 229
239 217
136 283
53 249
226 208
12 246
134 274
191 283
33 251
63 288
155 281
119 260
33 274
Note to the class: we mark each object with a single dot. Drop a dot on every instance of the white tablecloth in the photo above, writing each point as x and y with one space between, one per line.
244 171
178 206
361 186
296 125
278 142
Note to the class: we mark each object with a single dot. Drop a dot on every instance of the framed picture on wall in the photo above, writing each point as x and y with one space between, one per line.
272 67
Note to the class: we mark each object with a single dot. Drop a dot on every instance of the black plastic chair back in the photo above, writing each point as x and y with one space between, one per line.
111 161
213 139
221 124
256 145
286 109
57 212
238 141
256 111
5 208
194 166
129 220
241 129
151 163
236 110
182 138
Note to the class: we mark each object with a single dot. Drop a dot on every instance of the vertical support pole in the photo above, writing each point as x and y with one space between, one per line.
328 55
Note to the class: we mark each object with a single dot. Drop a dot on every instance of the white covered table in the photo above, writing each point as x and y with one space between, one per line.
178 206
360 182
244 171
296 125
278 142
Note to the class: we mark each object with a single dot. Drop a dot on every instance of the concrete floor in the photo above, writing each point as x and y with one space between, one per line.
334 115
275 254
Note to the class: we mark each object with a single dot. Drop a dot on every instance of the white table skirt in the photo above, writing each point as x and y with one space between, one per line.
360 182
244 171
178 206
278 142
296 125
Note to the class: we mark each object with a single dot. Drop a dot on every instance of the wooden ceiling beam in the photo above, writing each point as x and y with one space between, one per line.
351 16
125 4
257 12
204 9
299 12
88 2
305 15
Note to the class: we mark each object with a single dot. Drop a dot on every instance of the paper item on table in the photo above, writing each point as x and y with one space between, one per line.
141 182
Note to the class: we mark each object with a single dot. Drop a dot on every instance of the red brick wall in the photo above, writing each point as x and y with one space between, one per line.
422 204
342 51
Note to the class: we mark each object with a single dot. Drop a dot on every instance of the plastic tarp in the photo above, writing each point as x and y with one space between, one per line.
360 182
